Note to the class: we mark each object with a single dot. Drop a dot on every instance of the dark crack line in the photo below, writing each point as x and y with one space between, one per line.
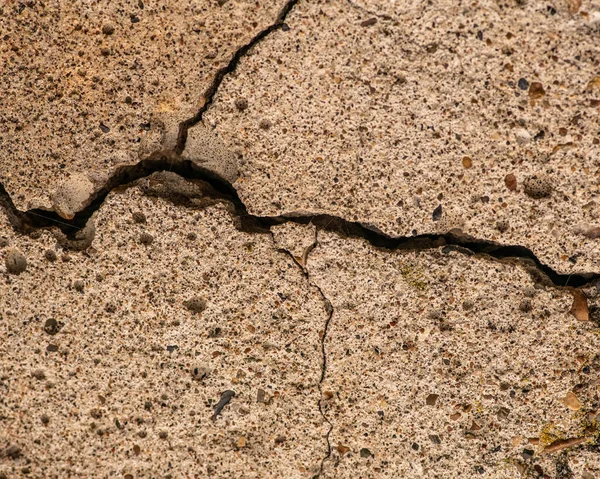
329 310
220 189
211 92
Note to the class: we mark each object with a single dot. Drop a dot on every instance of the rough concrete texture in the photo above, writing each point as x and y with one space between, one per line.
109 369
171 328
445 365
381 112
90 86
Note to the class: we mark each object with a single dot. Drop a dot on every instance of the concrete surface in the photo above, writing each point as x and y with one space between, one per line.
380 112
90 86
123 365
445 365
174 329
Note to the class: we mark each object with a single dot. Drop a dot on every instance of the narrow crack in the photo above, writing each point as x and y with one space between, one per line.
329 310
220 189
210 93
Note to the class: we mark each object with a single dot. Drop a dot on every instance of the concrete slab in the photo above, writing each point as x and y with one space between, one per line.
91 86
113 359
446 365
421 117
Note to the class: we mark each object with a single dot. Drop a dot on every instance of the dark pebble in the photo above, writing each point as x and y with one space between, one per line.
146 238
108 29
50 255
241 104
138 217
364 452
195 305
15 262
13 452
51 326
437 213
523 84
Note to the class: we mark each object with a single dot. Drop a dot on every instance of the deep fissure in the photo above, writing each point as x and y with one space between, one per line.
221 189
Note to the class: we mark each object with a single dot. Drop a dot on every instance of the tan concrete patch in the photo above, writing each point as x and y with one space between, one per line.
89 86
112 359
446 365
380 113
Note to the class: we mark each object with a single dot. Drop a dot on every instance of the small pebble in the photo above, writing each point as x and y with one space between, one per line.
15 262
502 225
4 242
163 434
138 217
50 255
195 305
51 326
523 136
537 187
38 374
13 452
536 90
523 84
364 452
369 22
108 29
510 181
241 104
146 238
79 285
525 306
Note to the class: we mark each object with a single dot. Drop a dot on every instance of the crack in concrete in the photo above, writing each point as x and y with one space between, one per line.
210 93
222 190
329 310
